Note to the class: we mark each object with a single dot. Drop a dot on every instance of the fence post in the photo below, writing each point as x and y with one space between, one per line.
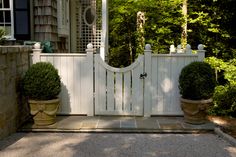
147 81
201 52
188 49
36 53
89 79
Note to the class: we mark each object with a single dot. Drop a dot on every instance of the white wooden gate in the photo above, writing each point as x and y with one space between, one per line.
118 91
91 87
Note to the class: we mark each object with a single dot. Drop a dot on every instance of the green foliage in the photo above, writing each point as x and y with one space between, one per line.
197 81
47 47
224 100
2 33
41 82
162 27
225 94
212 22
223 69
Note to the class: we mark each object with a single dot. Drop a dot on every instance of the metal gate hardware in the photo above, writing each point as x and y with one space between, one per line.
142 76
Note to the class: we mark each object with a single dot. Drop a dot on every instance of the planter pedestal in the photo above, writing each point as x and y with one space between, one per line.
44 112
195 110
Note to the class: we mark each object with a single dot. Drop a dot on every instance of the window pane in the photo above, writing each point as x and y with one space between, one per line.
0 3
7 16
7 30
6 3
1 17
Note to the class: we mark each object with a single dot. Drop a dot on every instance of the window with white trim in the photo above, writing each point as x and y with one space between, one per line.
6 18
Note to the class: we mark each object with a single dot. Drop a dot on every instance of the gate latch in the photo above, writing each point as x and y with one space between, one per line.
142 76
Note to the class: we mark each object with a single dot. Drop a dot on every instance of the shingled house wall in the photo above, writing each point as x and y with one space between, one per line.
45 25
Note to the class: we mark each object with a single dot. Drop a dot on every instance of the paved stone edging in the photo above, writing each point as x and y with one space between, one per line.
88 130
225 136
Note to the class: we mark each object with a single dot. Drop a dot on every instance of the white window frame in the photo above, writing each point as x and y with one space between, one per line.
11 36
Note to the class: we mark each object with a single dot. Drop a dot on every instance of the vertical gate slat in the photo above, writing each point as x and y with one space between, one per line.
167 85
127 92
118 92
97 111
160 70
64 106
69 94
137 91
57 63
77 87
102 88
110 91
154 85
50 59
43 58
84 83
174 83
179 66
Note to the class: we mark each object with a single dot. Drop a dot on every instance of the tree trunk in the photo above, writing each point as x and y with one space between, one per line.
140 40
184 26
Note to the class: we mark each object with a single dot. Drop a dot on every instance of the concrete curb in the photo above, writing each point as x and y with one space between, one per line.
91 130
225 136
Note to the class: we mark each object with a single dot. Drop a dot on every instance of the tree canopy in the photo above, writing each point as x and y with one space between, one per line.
210 22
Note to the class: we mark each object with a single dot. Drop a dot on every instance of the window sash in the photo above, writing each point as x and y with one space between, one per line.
7 22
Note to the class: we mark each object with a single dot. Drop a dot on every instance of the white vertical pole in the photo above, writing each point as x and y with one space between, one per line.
90 51
104 35
147 83
36 52
12 20
201 52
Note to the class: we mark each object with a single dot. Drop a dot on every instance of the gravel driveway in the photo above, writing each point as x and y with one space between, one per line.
114 145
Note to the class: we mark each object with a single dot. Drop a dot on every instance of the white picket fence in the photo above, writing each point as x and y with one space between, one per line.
147 87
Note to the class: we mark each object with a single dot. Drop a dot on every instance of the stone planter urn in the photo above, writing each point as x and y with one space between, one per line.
195 110
44 111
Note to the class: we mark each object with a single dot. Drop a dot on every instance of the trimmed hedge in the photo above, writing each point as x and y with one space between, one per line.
41 82
224 100
197 81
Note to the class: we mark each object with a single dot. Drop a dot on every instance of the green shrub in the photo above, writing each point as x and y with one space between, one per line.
197 81
224 100
41 82
226 70
2 33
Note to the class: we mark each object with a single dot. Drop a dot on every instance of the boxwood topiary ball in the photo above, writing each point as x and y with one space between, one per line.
41 82
197 81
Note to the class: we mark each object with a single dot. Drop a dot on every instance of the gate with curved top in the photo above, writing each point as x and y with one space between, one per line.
147 87
119 91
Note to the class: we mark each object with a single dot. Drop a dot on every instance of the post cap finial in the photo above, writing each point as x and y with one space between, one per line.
188 47
37 45
148 47
179 47
90 46
200 47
